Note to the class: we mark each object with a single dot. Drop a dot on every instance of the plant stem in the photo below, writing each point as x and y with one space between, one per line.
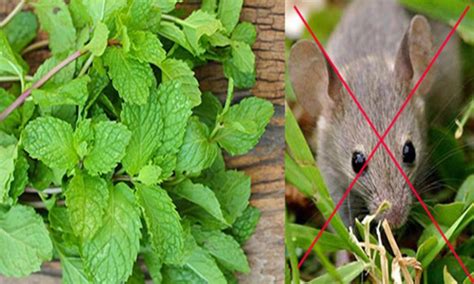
175 19
35 46
12 14
86 65
14 78
228 100
39 83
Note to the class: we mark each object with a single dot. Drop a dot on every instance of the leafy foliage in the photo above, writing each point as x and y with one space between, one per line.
119 147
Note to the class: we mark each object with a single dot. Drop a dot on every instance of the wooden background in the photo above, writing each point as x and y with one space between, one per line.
264 164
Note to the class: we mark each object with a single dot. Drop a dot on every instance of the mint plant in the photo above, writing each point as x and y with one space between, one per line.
121 147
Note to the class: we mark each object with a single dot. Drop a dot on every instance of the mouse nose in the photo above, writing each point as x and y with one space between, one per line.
396 215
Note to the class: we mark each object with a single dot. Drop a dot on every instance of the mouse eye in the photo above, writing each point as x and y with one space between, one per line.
409 153
358 160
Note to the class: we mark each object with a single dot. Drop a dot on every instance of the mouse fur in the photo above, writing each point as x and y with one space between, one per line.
381 51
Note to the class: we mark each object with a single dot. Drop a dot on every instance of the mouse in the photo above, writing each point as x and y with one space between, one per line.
381 50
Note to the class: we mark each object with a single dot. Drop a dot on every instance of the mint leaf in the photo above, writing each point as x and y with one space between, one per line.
56 20
199 195
181 275
229 13
244 124
208 110
21 30
167 5
110 254
137 277
72 266
232 189
72 93
24 239
177 70
245 32
200 24
12 122
99 39
204 265
146 123
110 140
49 140
20 177
172 32
62 77
8 155
149 175
133 89
86 199
163 222
224 248
245 225
241 66
146 47
8 61
153 263
197 151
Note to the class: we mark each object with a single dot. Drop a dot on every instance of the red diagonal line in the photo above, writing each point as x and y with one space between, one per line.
382 139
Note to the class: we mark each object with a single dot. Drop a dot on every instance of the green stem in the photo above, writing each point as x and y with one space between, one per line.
35 46
14 78
228 100
12 14
86 65
175 20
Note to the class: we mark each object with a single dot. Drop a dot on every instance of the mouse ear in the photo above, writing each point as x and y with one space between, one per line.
414 54
309 76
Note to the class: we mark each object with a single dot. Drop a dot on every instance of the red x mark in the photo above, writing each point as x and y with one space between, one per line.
381 140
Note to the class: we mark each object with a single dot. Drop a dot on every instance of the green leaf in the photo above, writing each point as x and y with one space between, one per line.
447 12
244 124
245 225
86 199
245 32
446 214
8 155
154 264
197 25
177 70
50 140
24 239
197 151
172 32
20 176
349 272
232 189
465 193
13 121
181 275
431 247
149 175
99 39
137 277
72 266
241 65
111 139
208 110
304 235
201 196
72 93
167 5
109 256
163 223
204 265
8 61
56 20
21 30
146 47
146 123
65 75
228 13
224 248
130 77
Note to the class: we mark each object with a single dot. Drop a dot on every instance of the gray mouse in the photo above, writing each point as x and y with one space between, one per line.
381 51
